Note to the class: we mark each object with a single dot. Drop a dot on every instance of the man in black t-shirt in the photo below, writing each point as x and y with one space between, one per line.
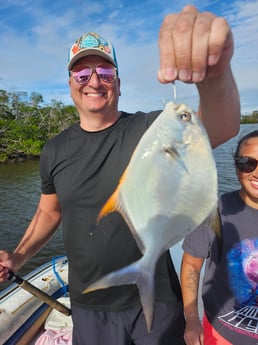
81 167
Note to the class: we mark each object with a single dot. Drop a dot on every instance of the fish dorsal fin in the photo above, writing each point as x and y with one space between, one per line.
115 203
109 207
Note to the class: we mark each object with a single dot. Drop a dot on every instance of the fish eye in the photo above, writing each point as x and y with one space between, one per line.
185 116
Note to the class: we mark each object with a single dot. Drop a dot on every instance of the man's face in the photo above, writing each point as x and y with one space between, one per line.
95 95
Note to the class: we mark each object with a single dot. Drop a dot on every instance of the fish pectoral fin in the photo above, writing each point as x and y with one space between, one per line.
171 151
175 155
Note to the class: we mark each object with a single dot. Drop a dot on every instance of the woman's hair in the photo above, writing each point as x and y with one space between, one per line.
248 136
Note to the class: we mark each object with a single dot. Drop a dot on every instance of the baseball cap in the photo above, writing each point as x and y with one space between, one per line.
91 44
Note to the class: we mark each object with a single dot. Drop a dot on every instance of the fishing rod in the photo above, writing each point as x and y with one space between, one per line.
41 295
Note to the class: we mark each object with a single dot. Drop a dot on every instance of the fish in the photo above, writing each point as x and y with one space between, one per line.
168 188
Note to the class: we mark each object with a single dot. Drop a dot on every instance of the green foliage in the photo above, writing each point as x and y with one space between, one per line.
25 126
253 118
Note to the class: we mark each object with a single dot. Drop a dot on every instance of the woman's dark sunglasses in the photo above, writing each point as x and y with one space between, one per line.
246 164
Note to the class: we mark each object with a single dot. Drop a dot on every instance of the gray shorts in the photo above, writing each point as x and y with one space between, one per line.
129 327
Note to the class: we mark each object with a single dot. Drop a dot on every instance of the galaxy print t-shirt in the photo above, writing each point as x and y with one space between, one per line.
230 284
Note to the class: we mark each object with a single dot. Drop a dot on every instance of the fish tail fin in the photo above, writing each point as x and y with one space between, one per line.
146 287
124 276
132 274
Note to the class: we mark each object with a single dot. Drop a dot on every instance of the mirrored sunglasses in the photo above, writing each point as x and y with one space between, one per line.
246 164
82 73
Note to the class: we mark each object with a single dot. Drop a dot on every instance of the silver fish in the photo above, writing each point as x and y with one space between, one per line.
168 188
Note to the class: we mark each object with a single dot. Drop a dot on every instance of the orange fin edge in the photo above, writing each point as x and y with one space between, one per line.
112 203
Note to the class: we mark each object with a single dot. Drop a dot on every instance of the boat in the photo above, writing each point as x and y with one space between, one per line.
22 315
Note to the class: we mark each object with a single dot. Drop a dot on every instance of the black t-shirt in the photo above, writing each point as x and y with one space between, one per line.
83 169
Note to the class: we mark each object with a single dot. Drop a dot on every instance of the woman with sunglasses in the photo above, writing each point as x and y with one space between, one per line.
230 283
81 167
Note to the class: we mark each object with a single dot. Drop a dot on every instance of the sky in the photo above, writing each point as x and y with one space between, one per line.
35 38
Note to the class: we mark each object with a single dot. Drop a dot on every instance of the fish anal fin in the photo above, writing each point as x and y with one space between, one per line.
135 234
216 226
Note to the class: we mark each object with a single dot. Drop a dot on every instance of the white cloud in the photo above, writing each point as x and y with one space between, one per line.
35 38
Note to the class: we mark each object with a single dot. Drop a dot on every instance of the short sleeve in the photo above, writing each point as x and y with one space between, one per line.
198 242
47 185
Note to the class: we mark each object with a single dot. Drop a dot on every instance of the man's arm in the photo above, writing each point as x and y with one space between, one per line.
42 227
190 275
219 107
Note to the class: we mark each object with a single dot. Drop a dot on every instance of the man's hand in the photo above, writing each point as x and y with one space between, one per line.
194 45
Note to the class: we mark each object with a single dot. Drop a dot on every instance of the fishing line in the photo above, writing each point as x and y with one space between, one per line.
174 90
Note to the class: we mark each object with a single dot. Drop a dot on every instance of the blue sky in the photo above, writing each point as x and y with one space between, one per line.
35 37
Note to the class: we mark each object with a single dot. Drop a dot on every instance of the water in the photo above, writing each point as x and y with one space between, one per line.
20 190
19 196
